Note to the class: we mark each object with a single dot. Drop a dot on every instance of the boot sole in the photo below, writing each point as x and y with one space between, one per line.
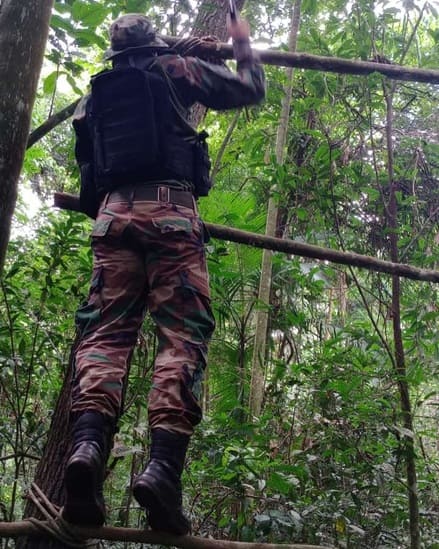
160 517
82 506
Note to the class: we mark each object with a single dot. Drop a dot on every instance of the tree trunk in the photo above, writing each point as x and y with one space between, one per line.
211 18
22 51
259 350
210 21
408 437
50 470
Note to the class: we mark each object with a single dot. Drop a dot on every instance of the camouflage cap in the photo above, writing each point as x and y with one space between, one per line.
131 32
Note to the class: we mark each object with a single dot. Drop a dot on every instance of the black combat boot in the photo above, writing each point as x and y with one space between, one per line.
158 488
84 476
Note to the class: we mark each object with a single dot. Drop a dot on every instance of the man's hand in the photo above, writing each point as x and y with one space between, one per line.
238 29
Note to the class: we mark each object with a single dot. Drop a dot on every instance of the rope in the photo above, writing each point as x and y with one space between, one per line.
54 524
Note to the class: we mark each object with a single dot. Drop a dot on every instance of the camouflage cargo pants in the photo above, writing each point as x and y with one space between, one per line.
147 256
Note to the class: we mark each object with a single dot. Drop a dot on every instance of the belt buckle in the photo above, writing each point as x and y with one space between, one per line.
163 194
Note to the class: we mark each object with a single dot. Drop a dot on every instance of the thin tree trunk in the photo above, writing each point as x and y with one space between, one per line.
50 469
22 51
217 164
408 441
210 21
259 349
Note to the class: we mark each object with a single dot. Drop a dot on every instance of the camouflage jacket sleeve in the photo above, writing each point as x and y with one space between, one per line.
216 86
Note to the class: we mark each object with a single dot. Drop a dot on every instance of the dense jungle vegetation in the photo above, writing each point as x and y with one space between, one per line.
349 407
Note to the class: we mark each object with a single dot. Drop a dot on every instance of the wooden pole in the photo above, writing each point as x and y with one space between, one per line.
67 201
278 58
28 528
318 62
51 123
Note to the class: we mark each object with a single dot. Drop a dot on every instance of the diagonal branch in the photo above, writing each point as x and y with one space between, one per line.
51 123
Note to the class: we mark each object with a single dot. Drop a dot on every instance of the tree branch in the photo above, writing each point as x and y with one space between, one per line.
27 528
217 164
51 123
67 201
279 58
318 62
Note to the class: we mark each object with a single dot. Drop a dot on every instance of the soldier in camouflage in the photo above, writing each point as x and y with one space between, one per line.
148 248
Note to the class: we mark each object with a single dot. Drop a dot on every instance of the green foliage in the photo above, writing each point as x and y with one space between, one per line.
38 294
325 461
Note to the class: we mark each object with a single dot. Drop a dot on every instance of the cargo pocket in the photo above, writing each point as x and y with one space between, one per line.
102 225
168 225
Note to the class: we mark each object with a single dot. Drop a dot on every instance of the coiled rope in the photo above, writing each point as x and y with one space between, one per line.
54 524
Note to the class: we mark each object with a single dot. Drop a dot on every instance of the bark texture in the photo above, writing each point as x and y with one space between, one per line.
22 51
50 469
210 21
211 18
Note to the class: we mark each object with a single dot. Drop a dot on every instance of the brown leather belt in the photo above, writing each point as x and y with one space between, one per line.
153 194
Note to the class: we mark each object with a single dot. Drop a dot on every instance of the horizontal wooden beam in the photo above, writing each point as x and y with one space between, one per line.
279 58
71 202
317 62
32 528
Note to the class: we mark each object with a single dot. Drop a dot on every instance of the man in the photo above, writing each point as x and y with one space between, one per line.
142 167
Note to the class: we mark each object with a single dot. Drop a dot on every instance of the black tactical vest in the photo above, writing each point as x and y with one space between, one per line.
130 118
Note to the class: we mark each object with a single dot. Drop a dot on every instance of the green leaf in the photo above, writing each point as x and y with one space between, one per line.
89 14
72 83
279 484
49 83
58 22
137 6
86 37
